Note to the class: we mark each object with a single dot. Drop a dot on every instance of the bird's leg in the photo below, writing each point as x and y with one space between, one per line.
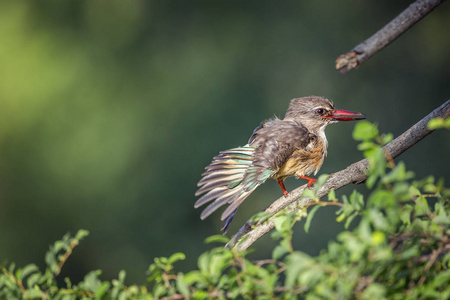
281 183
310 180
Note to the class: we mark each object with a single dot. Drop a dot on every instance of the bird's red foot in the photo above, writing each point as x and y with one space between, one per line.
281 183
310 180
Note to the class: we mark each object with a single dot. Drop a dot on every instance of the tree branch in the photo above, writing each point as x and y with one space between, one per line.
386 35
355 173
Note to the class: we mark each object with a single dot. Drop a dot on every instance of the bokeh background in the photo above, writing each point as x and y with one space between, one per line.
110 110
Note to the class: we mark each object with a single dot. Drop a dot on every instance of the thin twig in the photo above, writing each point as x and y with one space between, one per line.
435 254
390 159
16 280
355 173
386 35
66 255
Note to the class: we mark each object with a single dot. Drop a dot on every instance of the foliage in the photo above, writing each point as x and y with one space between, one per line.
399 249
439 123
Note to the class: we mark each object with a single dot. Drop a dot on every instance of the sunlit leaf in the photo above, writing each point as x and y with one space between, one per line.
436 123
332 195
182 286
218 238
365 131
278 252
81 234
310 216
176 257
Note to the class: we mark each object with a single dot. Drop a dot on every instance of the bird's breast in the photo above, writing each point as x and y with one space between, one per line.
305 160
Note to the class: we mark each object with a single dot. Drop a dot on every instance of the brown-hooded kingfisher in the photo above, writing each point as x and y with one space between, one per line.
293 146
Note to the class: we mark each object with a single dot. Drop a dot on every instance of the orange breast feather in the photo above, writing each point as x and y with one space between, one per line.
303 161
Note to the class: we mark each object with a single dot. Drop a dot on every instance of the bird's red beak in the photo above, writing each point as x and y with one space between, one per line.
345 115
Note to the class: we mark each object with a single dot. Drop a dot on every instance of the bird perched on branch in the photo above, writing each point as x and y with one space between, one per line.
294 146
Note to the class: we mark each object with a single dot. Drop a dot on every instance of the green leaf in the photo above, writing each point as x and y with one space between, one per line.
159 291
350 218
364 231
203 262
405 214
200 294
365 131
396 174
386 138
436 123
311 276
332 195
382 198
286 244
176 257
35 294
260 215
442 279
279 252
122 276
377 219
442 219
33 279
320 182
410 252
51 261
296 263
413 191
374 291
310 216
218 238
340 218
81 234
357 200
27 270
217 263
377 238
421 207
365 146
182 286
102 290
60 246
401 191
193 277
307 193
371 180
282 223
91 281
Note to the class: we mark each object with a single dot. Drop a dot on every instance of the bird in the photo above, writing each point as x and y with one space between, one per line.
278 148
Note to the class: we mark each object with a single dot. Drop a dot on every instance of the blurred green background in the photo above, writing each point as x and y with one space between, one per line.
110 110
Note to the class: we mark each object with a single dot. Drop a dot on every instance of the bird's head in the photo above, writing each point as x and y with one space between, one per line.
315 113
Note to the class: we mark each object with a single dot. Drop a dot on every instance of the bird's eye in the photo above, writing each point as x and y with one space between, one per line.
320 111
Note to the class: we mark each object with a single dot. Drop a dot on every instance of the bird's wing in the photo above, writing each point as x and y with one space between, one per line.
277 140
235 173
223 182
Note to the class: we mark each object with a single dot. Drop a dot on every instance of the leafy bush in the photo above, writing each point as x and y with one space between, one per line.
400 249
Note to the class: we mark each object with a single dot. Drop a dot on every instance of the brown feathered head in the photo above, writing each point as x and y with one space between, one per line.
315 113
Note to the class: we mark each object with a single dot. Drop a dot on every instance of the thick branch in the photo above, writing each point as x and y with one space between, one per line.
355 173
386 35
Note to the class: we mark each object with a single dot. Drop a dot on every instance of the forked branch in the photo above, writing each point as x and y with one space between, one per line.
414 13
355 173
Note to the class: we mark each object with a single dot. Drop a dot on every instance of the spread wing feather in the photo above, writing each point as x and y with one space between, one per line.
230 179
235 173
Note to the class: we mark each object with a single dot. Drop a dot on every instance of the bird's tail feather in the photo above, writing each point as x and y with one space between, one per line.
222 183
227 222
